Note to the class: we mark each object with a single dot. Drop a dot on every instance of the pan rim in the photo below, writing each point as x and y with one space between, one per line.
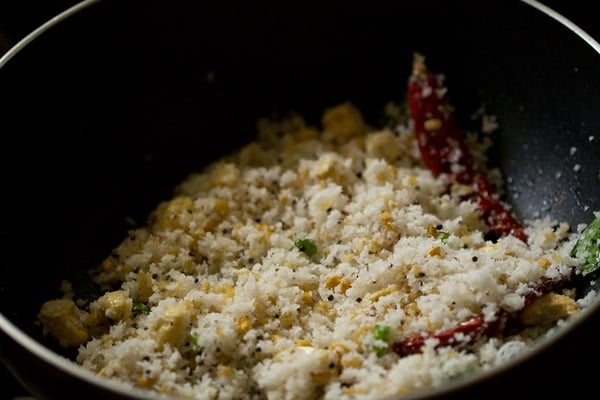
30 37
68 366
586 37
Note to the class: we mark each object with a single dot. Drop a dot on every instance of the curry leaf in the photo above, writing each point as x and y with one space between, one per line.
587 247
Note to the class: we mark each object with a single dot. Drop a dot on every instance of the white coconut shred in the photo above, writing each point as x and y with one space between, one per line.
298 266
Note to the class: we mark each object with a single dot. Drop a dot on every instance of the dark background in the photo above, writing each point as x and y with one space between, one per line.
19 17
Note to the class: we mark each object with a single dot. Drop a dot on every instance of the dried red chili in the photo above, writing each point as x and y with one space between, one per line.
476 327
444 150
464 333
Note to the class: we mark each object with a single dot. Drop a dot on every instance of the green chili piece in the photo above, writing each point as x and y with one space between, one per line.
306 246
140 308
444 236
381 332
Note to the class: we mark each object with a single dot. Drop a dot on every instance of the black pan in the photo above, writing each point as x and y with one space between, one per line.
105 111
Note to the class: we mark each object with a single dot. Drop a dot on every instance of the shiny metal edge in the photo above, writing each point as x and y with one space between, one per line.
566 22
44 27
66 365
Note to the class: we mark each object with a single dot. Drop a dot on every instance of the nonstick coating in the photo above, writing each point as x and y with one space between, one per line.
105 112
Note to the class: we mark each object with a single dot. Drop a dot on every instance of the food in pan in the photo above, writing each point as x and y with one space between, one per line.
344 261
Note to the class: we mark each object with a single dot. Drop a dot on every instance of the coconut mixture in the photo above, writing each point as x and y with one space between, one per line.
317 263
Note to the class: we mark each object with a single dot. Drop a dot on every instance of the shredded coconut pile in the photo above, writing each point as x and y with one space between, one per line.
288 269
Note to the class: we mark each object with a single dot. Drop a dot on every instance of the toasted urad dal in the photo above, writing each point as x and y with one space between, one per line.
318 263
